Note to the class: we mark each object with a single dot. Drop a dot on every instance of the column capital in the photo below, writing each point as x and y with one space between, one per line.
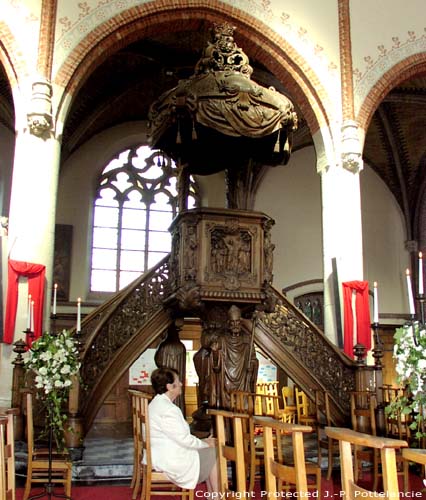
39 117
411 245
351 155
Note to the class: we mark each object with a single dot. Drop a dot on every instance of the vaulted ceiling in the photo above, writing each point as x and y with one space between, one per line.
124 86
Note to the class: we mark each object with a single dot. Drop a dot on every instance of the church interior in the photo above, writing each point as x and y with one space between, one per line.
233 189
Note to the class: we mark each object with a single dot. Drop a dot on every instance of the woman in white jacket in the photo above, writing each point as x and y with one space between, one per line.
185 459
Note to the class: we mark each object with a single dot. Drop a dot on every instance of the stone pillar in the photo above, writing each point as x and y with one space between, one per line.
34 189
341 224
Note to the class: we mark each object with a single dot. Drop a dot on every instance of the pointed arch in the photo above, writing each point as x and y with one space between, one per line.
173 15
409 67
9 49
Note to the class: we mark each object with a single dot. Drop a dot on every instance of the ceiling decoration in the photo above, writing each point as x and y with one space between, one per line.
125 85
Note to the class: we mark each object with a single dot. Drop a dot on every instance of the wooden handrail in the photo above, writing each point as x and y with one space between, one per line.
362 439
387 447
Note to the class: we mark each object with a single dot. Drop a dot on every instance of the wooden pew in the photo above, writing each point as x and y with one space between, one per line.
417 455
232 450
387 448
275 471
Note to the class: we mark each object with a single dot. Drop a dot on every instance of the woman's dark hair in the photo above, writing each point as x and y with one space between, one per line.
161 377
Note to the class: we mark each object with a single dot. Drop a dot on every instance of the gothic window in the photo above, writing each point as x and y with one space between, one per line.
312 304
135 203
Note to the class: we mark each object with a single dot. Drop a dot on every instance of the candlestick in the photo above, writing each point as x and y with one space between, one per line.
29 312
78 314
375 304
55 290
32 316
410 294
421 289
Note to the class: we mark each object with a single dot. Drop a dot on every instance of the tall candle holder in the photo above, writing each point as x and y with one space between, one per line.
29 337
421 299
378 346
53 318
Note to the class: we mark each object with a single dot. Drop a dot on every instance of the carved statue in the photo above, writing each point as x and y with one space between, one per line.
234 364
203 363
172 353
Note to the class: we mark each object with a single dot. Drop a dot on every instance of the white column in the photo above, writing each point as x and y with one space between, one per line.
342 236
33 204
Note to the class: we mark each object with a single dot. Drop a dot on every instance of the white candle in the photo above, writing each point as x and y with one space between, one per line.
421 289
29 313
78 314
32 316
55 291
375 304
410 293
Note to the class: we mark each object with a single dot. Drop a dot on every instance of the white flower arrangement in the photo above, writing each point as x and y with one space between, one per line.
54 359
410 357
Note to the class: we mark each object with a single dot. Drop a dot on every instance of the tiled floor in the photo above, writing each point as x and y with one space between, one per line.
108 455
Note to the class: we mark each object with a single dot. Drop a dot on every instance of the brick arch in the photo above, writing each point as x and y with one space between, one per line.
405 69
11 56
154 17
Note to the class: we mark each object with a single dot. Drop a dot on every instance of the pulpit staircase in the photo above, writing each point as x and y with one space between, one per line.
115 334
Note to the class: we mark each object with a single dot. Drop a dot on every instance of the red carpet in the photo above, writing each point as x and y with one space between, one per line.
329 489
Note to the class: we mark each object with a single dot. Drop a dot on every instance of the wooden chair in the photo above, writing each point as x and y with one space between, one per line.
288 413
7 454
136 401
325 442
276 472
242 402
363 405
245 402
416 455
38 460
306 413
385 446
153 483
396 426
231 448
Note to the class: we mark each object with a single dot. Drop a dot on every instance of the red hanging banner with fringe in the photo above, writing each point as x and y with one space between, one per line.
35 274
362 311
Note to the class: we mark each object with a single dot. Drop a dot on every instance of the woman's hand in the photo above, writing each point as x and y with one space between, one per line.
211 441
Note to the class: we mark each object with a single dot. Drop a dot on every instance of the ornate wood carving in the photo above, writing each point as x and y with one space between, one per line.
222 254
312 349
114 325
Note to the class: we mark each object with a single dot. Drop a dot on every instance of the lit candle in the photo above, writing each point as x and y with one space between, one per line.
78 314
410 293
421 289
32 316
55 291
29 313
375 304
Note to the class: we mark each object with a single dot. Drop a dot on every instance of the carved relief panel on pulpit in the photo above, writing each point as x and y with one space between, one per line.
225 254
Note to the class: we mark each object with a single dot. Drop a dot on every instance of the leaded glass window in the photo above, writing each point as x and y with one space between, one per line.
135 203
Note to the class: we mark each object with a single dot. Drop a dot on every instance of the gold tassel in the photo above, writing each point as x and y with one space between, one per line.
178 136
277 143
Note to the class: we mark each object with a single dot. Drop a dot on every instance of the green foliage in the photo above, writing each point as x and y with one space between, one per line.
410 356
55 361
